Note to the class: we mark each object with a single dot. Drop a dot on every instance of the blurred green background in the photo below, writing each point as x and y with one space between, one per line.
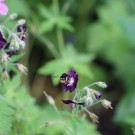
94 37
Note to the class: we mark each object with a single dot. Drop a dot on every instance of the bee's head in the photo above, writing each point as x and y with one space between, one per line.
63 78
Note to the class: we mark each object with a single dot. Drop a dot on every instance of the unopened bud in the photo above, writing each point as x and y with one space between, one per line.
94 117
102 84
106 104
49 123
5 75
49 98
97 94
21 22
22 68
13 16
5 58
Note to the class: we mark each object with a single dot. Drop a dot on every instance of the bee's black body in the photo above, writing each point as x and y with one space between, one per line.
64 78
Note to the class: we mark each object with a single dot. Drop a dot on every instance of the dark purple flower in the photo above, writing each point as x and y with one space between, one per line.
22 27
98 95
22 31
69 80
71 102
3 42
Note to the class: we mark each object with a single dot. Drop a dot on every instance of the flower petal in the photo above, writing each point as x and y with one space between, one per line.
2 41
3 9
98 95
71 83
1 1
22 27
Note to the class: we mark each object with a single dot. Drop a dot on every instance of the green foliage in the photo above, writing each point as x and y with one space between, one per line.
129 113
70 59
26 113
20 115
6 116
52 19
115 46
109 36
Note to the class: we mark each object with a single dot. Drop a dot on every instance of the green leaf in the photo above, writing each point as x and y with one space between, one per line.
6 116
71 59
47 26
126 110
17 57
64 23
54 67
45 12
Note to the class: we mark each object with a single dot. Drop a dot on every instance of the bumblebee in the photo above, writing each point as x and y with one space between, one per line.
64 79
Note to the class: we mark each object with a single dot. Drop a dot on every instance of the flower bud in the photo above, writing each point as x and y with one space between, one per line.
14 45
102 84
22 68
21 22
94 117
106 104
49 123
97 94
5 75
13 16
5 58
50 99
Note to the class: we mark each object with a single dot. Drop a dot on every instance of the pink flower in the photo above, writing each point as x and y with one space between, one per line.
3 8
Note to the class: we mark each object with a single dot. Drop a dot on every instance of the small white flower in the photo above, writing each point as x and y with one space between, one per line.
106 104
22 68
13 16
21 22
14 45
21 44
87 100
88 90
102 84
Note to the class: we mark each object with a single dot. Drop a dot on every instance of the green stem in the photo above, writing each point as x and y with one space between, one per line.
91 84
96 102
60 40
56 6
74 121
49 45
57 111
66 6
5 21
59 31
